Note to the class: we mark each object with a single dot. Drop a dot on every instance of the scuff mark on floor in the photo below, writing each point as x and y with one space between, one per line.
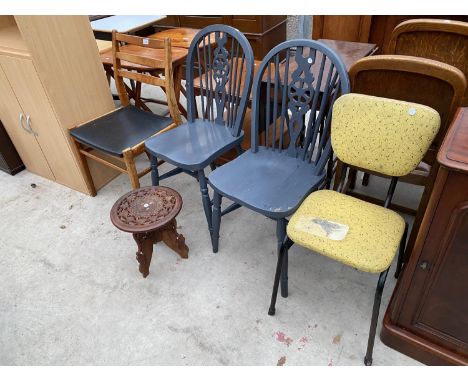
281 361
336 339
303 341
281 337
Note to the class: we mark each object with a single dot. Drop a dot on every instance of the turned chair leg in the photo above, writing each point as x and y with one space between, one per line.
285 245
280 235
401 252
375 317
205 199
154 170
217 198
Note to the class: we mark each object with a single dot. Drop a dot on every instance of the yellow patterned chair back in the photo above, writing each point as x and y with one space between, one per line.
382 135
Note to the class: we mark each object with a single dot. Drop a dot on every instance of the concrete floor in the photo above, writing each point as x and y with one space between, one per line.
71 293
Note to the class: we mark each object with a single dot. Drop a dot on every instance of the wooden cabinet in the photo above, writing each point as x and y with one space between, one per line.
427 317
346 28
51 79
373 29
25 142
263 32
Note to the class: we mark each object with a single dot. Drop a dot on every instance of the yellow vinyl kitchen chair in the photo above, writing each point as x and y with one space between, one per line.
382 136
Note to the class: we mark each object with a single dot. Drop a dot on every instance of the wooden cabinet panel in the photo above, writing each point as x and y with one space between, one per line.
346 28
25 143
263 32
248 24
35 104
200 21
427 317
438 292
448 317
67 61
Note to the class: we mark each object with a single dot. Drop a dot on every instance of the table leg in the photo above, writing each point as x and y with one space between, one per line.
174 240
145 251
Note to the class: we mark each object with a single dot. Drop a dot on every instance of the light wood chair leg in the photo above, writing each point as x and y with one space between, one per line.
131 168
83 163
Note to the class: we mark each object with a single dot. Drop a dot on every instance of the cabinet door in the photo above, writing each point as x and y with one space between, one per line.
33 99
26 144
437 300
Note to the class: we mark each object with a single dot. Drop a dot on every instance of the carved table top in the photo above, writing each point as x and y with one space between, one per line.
146 209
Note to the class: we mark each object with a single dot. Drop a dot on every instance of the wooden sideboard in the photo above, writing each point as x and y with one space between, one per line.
51 79
263 32
427 317
373 29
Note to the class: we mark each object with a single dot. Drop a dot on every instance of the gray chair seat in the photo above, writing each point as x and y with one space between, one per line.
267 182
193 146
119 130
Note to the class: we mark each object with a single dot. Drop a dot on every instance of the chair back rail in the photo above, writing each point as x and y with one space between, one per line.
143 57
294 90
221 60
440 40
412 79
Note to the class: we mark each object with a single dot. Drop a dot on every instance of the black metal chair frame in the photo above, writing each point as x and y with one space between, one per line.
287 243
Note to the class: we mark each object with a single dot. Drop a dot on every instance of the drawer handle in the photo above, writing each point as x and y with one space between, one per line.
21 116
424 265
28 123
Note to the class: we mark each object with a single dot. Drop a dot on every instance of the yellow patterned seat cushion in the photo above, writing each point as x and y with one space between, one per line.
371 241
380 134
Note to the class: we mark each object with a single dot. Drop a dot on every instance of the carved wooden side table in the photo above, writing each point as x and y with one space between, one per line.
149 214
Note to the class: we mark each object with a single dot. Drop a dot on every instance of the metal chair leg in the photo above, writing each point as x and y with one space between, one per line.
154 171
286 244
375 317
205 199
401 252
217 198
280 235
352 178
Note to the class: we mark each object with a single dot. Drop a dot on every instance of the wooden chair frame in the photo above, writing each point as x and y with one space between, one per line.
127 162
435 26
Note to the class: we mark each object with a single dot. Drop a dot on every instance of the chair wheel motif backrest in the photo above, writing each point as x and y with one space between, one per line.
220 66
294 90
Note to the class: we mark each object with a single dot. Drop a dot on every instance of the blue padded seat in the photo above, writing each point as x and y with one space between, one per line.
119 130
285 180
193 146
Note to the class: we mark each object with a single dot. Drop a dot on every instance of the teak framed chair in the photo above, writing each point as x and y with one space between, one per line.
275 176
222 59
412 79
383 136
441 40
116 138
